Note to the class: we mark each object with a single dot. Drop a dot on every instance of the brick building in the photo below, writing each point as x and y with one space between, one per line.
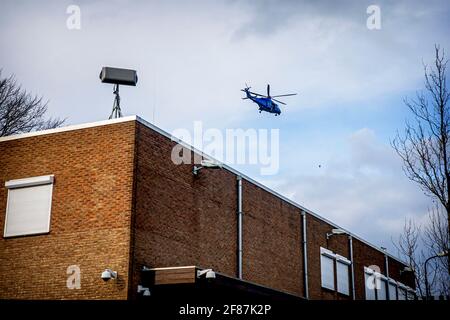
77 200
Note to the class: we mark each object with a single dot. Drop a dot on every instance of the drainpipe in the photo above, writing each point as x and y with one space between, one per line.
350 243
239 222
386 266
305 255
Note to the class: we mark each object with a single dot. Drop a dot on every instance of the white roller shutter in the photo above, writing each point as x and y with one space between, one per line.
29 206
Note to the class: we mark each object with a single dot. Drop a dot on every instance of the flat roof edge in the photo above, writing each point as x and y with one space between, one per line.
68 128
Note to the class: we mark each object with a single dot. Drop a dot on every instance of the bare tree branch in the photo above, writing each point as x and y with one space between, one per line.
436 239
20 111
407 246
424 145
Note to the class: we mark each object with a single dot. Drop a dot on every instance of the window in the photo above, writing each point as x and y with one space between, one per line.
392 290
343 271
401 293
381 290
369 281
327 268
378 286
328 261
29 206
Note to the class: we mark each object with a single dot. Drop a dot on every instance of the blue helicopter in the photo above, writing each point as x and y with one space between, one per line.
265 103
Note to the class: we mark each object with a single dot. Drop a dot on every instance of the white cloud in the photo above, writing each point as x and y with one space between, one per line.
363 189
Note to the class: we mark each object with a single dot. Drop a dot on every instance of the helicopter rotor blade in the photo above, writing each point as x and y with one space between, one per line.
254 93
278 101
257 94
244 98
285 95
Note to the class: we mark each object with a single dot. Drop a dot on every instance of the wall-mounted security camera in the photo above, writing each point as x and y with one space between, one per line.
211 164
109 274
145 291
207 164
207 273
335 232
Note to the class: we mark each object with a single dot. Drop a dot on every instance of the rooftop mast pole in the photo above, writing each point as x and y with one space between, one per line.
116 112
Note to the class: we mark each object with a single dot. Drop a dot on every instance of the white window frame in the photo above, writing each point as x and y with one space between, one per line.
383 287
336 260
399 289
343 261
28 183
404 289
392 283
369 272
328 255
410 294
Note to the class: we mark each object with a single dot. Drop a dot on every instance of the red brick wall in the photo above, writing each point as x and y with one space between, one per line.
181 219
90 219
272 242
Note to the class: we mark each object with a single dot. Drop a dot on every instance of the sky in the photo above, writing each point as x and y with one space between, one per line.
193 57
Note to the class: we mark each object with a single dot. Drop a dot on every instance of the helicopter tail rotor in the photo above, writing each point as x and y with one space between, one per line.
246 89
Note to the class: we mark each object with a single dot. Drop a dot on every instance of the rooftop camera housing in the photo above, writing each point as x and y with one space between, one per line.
119 76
